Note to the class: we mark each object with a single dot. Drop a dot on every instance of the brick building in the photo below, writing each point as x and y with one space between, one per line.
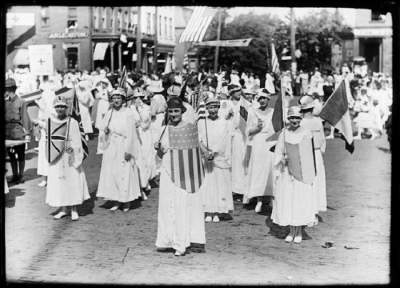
373 39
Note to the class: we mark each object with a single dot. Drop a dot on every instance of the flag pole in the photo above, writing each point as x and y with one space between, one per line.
218 38
283 117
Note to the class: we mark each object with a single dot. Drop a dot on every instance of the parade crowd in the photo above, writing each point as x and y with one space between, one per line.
206 140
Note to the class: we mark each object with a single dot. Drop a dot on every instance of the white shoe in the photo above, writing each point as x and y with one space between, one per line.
126 209
258 207
144 196
114 208
289 238
74 215
208 219
60 214
43 183
329 137
216 219
179 253
298 239
245 200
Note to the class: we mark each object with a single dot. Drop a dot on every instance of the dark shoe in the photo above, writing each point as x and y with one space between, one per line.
21 179
165 250
14 179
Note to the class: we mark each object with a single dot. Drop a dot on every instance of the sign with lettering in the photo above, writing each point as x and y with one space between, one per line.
65 35
41 59
372 32
227 43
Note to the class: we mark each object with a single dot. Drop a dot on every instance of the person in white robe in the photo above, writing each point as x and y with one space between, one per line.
85 100
46 110
119 175
260 178
66 179
215 144
103 105
234 78
145 161
314 125
180 217
158 108
238 141
293 203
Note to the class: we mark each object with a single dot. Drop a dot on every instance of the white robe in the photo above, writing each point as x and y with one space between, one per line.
315 126
66 180
103 105
180 214
119 179
86 100
156 131
260 178
216 189
294 201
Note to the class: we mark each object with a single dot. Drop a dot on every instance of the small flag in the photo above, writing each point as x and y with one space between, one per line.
336 112
201 111
122 80
243 120
32 96
274 60
185 60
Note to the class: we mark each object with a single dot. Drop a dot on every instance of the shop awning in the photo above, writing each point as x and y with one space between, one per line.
100 51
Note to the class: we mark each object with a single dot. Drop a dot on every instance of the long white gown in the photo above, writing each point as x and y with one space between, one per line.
66 180
294 201
119 179
156 131
180 214
315 126
216 190
86 100
103 105
238 152
260 178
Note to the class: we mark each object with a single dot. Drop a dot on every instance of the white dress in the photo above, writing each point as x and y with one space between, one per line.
119 179
85 99
216 189
66 180
103 105
314 125
294 201
180 214
145 161
260 178
156 131
238 151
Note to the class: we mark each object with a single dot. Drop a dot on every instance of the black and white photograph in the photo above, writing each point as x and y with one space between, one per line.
189 145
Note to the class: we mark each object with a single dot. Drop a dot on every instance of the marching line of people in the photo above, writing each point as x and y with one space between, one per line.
208 140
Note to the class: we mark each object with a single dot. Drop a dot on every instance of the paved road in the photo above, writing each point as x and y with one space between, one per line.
118 247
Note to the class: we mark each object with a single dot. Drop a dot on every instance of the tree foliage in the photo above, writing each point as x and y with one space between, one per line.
313 35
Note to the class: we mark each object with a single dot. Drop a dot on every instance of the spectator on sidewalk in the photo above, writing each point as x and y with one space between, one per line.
18 127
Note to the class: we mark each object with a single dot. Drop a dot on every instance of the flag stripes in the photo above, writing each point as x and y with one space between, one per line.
122 80
274 60
186 169
186 60
198 24
76 114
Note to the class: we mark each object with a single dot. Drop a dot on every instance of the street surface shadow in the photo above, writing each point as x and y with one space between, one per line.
386 150
11 196
30 155
29 174
137 203
281 232
87 206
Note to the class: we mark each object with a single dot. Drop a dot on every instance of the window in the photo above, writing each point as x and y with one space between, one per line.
171 31
96 17
165 27
72 57
104 18
44 15
159 26
148 23
375 16
72 12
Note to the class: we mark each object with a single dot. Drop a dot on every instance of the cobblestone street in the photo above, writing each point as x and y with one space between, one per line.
118 247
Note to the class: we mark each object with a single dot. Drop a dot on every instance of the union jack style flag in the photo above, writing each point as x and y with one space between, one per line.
186 168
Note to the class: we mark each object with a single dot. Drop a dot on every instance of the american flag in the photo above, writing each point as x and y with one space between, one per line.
274 60
201 111
186 60
198 24
186 168
70 95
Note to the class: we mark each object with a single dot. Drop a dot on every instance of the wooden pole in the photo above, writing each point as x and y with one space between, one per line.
293 42
155 41
139 40
218 38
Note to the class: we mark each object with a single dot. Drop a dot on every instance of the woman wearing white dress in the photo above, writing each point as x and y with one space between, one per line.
314 125
215 138
145 161
158 108
86 101
103 105
66 184
261 160
293 203
119 177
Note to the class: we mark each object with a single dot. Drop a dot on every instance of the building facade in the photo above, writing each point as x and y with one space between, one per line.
373 39
85 38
